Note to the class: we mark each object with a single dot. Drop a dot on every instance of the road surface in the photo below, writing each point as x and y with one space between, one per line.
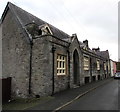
106 97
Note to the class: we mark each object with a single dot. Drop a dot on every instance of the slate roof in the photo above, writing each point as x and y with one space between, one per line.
26 18
103 53
82 45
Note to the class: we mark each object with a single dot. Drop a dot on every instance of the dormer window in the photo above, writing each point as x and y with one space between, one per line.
44 29
85 48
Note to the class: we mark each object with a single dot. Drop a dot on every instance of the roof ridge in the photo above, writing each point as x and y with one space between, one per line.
11 5
24 10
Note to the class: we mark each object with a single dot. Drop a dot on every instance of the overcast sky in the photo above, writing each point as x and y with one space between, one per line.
95 20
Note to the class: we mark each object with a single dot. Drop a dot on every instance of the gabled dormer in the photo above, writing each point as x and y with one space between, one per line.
45 29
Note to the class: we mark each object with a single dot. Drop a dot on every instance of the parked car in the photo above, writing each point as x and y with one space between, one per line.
117 75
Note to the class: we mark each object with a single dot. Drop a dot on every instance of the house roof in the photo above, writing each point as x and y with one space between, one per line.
26 18
103 53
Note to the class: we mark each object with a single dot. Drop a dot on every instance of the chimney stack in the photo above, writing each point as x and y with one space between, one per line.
86 42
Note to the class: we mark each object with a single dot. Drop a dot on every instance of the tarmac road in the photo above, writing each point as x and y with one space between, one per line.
106 97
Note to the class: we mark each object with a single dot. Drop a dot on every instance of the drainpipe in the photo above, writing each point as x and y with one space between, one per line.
53 52
30 73
68 68
91 69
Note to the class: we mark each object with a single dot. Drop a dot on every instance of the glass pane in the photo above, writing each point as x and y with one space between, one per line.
63 57
60 64
57 64
63 64
57 56
60 57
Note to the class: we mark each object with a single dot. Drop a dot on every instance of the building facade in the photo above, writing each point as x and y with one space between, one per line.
42 60
113 67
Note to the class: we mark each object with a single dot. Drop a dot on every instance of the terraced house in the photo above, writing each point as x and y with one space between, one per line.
42 60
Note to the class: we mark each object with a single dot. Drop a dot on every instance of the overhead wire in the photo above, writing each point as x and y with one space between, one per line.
71 17
60 14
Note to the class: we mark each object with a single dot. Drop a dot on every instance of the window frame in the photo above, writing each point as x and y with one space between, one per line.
105 66
86 63
61 65
98 64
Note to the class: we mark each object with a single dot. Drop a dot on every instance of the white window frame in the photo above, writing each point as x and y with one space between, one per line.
108 66
61 64
86 62
105 68
46 29
98 64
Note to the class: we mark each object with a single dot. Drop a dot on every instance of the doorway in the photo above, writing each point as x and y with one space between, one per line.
76 75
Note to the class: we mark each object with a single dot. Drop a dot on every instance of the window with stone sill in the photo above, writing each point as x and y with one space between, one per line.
86 63
61 64
108 66
104 66
98 65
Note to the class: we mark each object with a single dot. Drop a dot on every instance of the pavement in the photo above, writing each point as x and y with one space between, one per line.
68 96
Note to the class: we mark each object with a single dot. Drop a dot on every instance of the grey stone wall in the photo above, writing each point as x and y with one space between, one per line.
15 56
61 82
93 72
1 52
75 46
41 67
101 69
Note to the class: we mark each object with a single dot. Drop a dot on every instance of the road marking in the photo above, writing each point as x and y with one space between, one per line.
76 98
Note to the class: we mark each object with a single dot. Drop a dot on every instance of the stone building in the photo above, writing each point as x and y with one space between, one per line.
43 60
113 67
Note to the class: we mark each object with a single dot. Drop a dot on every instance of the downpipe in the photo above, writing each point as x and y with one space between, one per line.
30 73
53 80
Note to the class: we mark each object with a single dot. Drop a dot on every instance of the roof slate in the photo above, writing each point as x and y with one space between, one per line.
104 54
26 18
